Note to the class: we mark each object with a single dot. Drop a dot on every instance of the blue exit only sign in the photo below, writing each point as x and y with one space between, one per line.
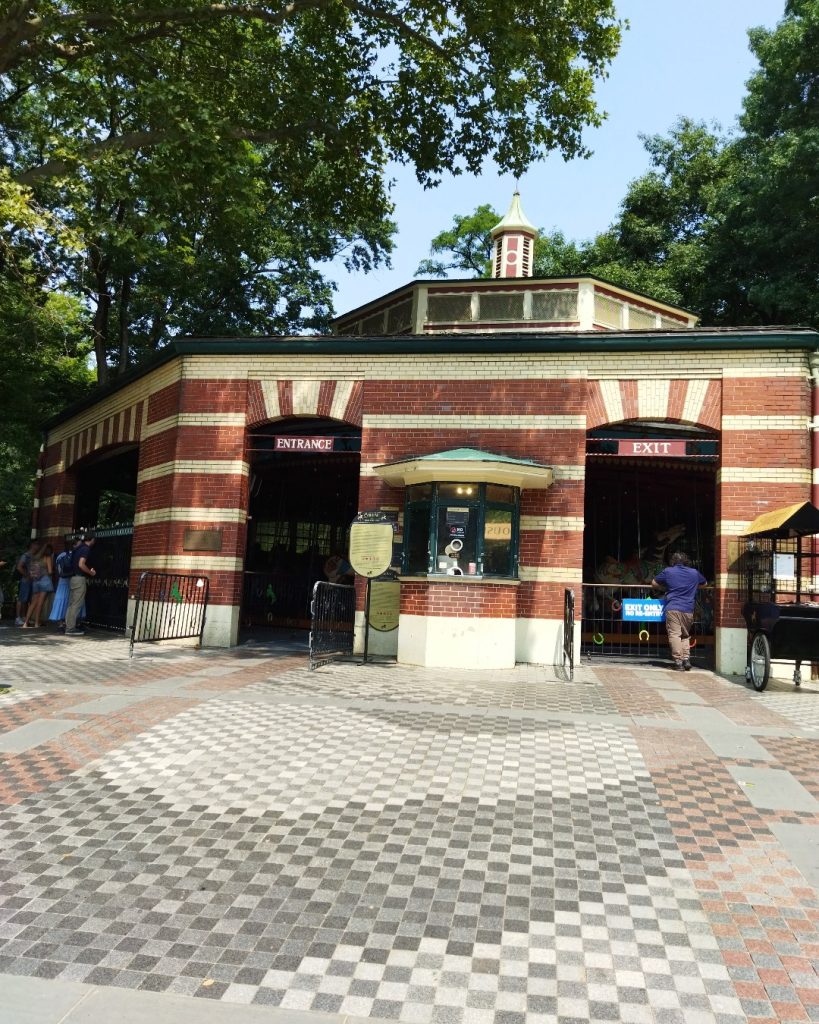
642 610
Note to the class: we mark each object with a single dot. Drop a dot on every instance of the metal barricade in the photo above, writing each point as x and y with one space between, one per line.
606 634
332 622
169 606
568 631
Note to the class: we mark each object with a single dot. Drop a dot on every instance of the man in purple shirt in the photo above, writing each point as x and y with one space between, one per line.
680 582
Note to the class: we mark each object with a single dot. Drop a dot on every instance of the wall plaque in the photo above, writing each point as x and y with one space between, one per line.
202 540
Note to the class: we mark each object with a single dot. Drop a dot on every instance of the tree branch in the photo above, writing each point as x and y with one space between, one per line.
26 37
130 141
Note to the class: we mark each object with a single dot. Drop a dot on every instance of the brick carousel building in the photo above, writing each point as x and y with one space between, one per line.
526 436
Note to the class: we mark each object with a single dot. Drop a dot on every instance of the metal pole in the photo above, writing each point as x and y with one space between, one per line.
366 620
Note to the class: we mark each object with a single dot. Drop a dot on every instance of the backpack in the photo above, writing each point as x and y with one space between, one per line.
63 563
35 569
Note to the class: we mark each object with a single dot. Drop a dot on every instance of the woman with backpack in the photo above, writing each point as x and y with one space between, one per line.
40 568
62 563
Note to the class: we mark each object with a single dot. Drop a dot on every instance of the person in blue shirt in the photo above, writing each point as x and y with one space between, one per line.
680 582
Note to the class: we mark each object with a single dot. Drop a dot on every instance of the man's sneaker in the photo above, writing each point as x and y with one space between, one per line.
679 666
75 632
18 622
686 665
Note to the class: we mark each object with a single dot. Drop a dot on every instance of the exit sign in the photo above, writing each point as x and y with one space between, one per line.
651 448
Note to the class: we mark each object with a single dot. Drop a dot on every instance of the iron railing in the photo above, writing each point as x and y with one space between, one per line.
606 634
332 622
568 632
169 606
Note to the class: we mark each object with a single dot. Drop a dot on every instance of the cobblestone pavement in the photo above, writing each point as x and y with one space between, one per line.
397 844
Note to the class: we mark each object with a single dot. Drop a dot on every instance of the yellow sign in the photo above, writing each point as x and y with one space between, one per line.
371 548
385 605
497 531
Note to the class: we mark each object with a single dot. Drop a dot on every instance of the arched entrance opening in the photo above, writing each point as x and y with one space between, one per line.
650 491
105 487
304 476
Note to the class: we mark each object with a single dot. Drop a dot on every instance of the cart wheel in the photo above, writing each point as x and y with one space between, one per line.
760 661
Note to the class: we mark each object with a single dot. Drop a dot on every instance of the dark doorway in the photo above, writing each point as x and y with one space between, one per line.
638 512
302 502
105 503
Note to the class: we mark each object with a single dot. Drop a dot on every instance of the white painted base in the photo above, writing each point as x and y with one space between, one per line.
383 644
540 641
444 642
221 626
731 650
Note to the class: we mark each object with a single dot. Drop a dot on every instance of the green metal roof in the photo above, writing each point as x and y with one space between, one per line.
470 455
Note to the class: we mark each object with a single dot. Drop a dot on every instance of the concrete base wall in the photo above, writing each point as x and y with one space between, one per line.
731 650
540 641
443 642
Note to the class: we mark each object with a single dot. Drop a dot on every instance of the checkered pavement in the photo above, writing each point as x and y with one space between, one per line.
392 844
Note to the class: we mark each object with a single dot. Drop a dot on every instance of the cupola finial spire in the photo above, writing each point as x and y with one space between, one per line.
513 239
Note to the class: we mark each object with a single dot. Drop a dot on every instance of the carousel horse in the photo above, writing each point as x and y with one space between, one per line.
640 569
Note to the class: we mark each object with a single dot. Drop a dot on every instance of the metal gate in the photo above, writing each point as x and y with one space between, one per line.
332 623
169 606
605 633
568 632
106 599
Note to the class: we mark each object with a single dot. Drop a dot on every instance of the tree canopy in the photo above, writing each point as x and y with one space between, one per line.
724 225
196 163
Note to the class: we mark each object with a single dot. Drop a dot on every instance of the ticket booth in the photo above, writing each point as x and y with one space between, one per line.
459 577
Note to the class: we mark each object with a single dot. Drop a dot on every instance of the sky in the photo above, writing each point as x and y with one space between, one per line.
678 58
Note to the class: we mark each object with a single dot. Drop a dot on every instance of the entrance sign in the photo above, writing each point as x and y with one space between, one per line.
649 447
642 610
283 443
385 605
370 546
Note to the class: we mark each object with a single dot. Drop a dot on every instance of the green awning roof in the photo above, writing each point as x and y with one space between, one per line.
465 465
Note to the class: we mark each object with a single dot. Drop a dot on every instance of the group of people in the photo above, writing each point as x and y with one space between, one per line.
38 568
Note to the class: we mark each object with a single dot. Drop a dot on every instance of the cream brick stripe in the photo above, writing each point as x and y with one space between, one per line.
203 466
341 399
58 499
612 400
573 524
499 422
774 475
695 394
202 563
550 574
815 480
652 399
190 515
305 397
733 527
120 401
194 419
765 422
58 467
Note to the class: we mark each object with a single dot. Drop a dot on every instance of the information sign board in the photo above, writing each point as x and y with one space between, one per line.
370 546
385 604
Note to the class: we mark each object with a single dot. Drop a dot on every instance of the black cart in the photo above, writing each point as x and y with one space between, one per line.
781 610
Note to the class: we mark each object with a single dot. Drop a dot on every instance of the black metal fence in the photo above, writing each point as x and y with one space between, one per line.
332 622
568 632
106 596
169 606
605 633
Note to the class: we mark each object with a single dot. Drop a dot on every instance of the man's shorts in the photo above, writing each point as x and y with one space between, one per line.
43 586
24 591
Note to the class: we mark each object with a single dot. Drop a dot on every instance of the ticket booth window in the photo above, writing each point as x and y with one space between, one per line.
461 529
